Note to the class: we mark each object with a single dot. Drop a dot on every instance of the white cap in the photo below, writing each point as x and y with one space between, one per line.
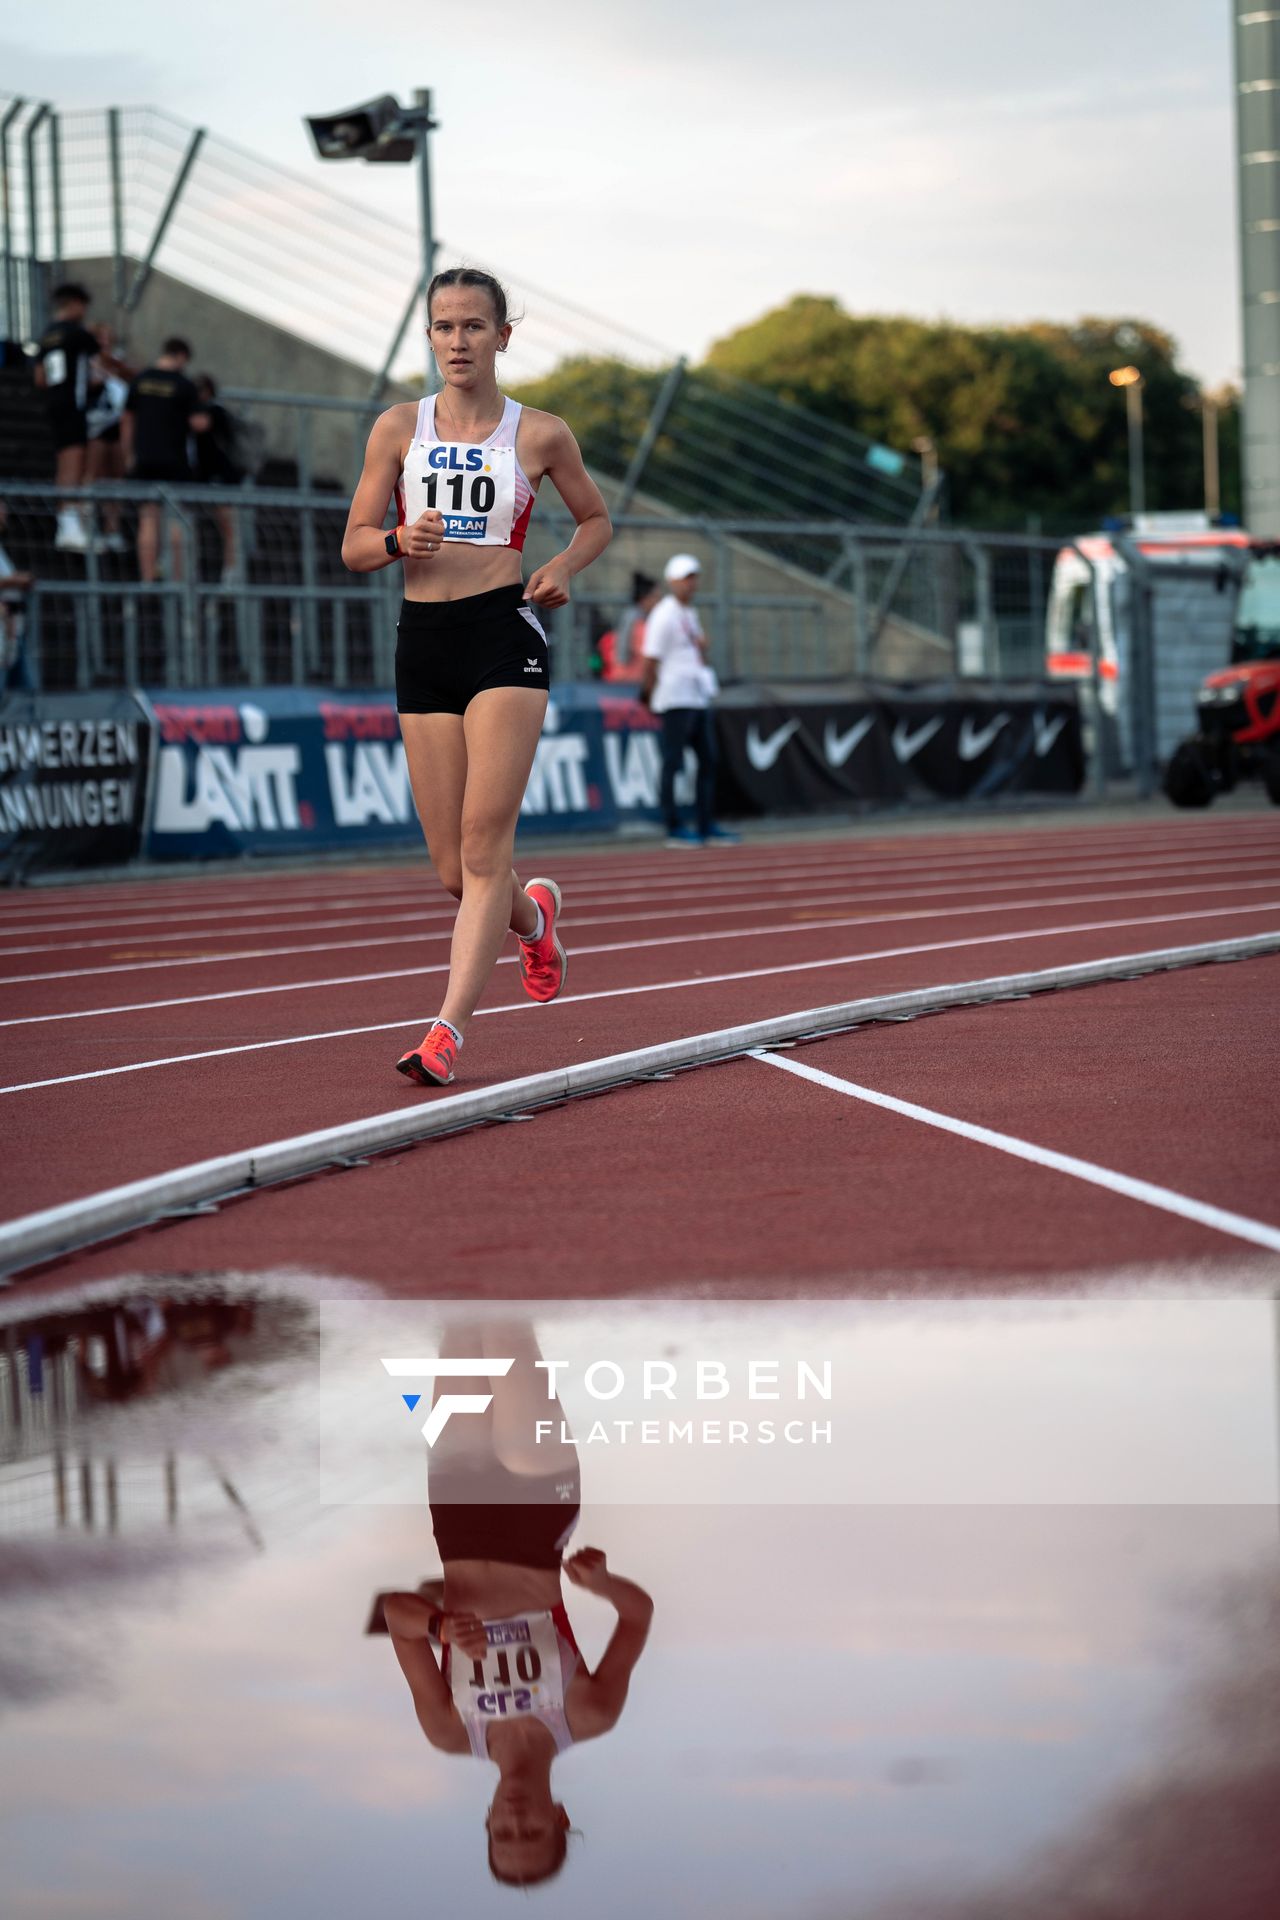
680 566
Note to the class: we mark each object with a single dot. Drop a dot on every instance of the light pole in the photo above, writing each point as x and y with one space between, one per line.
1131 380
1209 404
383 130
423 124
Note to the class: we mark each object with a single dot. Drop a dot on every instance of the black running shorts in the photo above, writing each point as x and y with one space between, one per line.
490 1513
448 651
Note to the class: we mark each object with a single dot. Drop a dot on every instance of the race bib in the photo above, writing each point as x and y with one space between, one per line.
520 1673
55 368
473 487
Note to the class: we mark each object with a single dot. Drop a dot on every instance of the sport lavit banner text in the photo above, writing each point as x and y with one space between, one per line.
257 772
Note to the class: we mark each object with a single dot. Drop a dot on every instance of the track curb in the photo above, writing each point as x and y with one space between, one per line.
36 1238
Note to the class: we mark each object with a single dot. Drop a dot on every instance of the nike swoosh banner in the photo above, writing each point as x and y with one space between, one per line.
805 755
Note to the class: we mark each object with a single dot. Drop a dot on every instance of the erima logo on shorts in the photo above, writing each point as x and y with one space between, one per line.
534 666
412 1368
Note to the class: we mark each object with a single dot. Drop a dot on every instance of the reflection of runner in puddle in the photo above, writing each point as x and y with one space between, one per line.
511 1685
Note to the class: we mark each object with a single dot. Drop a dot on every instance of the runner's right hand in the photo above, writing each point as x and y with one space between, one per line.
422 540
466 1631
589 1568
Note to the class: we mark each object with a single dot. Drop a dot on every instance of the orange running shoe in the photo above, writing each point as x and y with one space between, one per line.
543 963
432 1063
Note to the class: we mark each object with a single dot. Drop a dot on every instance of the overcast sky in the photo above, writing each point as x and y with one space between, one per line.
681 168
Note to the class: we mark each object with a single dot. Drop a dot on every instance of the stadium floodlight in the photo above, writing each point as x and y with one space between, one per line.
1130 378
383 130
376 130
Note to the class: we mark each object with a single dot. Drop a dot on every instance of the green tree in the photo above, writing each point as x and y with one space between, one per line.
606 402
1024 419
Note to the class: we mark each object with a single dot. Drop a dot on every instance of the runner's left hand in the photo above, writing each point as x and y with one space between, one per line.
549 585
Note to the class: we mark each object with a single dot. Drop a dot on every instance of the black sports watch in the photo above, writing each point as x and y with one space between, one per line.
392 544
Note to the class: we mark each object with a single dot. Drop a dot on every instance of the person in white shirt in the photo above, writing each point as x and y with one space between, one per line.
679 685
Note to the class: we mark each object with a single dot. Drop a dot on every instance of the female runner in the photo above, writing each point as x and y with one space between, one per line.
510 1685
471 657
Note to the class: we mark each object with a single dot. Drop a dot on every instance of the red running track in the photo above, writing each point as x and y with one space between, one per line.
741 1179
152 1024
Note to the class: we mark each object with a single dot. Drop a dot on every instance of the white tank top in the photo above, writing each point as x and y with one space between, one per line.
479 486
525 1674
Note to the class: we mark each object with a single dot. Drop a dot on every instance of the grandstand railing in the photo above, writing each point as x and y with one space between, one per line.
711 446
895 603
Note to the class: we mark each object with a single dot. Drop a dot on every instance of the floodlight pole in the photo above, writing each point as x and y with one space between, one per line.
1133 413
424 123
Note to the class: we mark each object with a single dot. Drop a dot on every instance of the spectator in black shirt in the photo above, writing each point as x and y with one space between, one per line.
162 412
216 465
62 370
109 380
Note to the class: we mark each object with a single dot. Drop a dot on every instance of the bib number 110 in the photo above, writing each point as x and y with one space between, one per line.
483 491
528 1668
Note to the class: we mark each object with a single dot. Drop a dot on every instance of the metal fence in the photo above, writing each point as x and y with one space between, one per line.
130 193
139 187
256 594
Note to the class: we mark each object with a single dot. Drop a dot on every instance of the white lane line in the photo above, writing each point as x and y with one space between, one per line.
645 868
811 897
692 876
651 986
321 879
702 937
1238 1225
853 874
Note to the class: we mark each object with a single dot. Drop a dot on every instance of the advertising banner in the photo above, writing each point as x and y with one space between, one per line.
279 768
804 755
276 769
976 746
73 779
802 758
286 768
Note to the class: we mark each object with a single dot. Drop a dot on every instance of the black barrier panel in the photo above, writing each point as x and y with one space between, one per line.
73 779
971 747
804 756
